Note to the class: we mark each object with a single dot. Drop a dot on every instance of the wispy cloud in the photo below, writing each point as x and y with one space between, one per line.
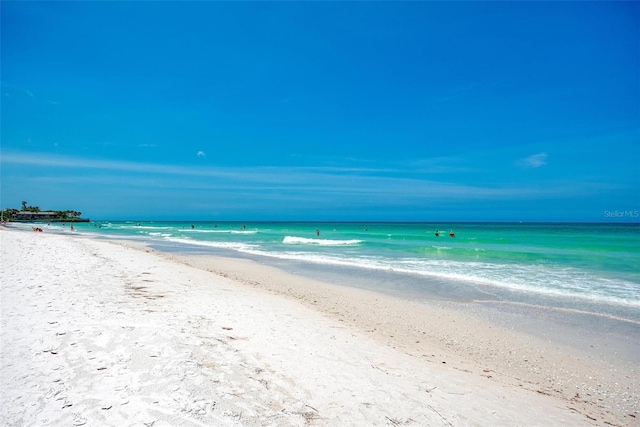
9 88
201 154
533 161
321 182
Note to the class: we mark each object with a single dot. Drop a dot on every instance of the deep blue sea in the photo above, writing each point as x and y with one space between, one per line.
580 264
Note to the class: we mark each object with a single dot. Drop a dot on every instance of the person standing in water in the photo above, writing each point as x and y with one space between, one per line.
317 231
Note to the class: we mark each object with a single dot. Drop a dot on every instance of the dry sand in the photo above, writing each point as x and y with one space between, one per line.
95 333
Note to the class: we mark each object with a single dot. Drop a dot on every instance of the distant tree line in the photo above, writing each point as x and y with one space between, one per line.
67 214
9 214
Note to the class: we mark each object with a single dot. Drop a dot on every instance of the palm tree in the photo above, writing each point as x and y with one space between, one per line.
24 205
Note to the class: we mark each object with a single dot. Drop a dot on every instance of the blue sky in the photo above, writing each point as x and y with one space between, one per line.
416 111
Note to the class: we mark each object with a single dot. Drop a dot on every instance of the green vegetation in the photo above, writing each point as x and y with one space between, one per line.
26 208
52 215
9 214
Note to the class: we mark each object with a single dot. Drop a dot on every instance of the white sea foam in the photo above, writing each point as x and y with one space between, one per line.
536 279
291 240
545 277
137 227
195 230
242 247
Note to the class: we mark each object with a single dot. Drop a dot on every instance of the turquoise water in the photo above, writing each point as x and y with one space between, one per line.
592 262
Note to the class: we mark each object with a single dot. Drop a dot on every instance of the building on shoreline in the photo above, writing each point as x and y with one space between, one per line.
28 216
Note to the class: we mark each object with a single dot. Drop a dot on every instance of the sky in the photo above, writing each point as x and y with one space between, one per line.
322 111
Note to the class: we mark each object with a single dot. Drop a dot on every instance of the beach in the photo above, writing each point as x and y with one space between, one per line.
115 333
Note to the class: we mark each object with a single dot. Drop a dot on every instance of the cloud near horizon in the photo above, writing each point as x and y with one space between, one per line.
533 161
316 180
151 189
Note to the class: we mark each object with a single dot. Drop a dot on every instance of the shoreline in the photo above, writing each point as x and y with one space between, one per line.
431 336
616 328
584 372
413 283
459 334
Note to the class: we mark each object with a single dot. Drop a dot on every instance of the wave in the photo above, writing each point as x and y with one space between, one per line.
291 240
189 230
136 227
552 282
192 230
435 260
241 247
438 248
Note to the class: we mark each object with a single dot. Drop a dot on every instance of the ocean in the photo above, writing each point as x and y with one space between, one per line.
585 267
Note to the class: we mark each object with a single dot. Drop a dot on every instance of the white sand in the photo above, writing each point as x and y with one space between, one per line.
101 334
